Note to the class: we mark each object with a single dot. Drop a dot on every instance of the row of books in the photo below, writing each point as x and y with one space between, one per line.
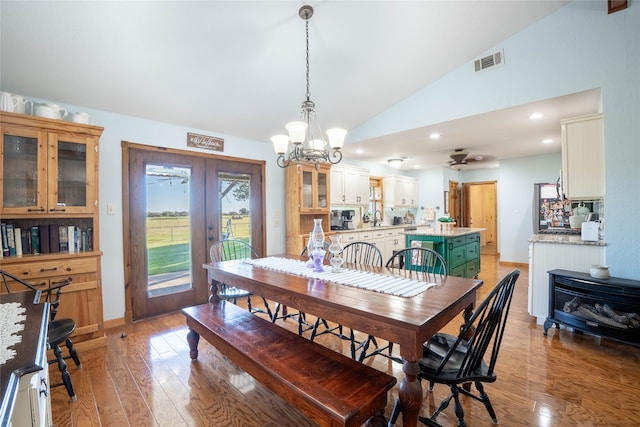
43 239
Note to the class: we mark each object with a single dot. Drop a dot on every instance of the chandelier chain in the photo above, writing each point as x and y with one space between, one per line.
308 90
305 143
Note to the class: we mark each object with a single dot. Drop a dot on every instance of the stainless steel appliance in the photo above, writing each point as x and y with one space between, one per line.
336 220
550 211
347 219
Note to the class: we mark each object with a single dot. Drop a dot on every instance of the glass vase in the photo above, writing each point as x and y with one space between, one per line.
318 234
336 253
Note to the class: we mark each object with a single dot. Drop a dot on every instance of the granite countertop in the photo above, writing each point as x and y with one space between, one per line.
379 227
564 239
451 232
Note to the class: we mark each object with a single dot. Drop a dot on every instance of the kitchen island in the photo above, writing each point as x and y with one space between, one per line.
459 246
557 251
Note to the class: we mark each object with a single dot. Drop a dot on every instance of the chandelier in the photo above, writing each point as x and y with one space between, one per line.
308 144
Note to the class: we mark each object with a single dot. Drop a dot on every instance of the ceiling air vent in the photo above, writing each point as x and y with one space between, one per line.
489 61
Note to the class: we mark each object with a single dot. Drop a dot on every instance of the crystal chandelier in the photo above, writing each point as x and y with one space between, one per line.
308 144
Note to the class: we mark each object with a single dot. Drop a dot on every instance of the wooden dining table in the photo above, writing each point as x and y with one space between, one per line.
405 321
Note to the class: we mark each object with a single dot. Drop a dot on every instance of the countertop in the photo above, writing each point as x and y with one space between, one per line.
406 227
420 230
445 232
564 239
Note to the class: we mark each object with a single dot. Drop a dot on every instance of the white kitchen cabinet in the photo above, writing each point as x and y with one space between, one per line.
349 186
400 192
394 240
583 157
549 256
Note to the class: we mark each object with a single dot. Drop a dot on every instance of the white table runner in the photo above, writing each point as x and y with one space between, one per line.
392 285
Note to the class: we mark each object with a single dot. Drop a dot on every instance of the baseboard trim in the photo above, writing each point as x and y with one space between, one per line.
514 264
114 323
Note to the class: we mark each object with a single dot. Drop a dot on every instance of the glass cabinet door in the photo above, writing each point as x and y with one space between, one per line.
306 194
71 178
322 190
23 172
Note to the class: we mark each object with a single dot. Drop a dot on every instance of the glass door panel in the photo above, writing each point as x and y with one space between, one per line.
23 169
168 229
235 206
307 189
72 174
20 171
323 191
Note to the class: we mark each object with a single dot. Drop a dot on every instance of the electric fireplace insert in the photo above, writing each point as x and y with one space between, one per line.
606 307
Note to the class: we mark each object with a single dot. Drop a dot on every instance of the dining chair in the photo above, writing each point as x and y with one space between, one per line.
458 360
359 253
281 311
420 263
59 331
231 249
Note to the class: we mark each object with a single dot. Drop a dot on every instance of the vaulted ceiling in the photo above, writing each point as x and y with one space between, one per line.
238 67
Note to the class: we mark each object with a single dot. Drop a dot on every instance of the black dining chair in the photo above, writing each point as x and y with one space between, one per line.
457 360
420 263
231 249
59 331
358 253
281 311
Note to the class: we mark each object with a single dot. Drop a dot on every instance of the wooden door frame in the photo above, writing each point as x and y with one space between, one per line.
466 202
126 147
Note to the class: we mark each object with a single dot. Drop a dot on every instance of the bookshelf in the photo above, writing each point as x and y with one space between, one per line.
49 191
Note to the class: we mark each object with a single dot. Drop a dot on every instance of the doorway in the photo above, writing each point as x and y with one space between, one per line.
177 204
480 211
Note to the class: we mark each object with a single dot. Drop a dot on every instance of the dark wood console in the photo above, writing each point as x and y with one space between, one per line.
606 307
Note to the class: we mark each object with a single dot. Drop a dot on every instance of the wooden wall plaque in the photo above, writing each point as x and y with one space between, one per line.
204 141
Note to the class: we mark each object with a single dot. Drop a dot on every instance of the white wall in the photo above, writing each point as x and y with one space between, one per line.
579 47
119 128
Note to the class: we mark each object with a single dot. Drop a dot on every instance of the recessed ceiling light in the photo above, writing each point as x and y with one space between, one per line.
359 151
434 135
547 141
416 166
535 116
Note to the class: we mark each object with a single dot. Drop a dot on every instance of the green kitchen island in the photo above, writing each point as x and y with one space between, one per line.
459 246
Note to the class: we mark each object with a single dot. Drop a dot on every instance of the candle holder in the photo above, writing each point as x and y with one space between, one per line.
318 256
336 253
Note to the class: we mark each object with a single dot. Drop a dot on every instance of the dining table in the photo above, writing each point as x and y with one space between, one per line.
374 300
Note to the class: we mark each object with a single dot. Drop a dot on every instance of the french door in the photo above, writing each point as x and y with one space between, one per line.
180 203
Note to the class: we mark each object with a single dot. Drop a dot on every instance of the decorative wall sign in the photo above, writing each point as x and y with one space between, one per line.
204 141
616 5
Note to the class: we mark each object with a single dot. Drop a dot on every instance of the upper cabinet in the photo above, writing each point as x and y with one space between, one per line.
306 199
48 167
400 192
583 157
349 185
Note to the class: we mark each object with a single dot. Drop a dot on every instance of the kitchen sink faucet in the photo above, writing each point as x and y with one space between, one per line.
377 217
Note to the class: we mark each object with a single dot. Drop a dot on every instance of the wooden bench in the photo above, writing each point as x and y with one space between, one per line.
328 387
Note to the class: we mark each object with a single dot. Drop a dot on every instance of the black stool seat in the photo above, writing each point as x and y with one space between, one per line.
59 330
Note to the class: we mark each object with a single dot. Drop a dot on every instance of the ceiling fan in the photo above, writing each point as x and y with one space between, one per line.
461 158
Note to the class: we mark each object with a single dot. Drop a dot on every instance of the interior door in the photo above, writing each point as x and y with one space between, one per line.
481 212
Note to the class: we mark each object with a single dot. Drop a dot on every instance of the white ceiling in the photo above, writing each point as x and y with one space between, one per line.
238 67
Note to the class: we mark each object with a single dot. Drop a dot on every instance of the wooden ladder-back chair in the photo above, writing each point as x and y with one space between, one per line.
419 263
231 249
59 331
458 360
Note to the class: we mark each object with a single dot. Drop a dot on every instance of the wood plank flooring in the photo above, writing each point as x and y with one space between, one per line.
147 379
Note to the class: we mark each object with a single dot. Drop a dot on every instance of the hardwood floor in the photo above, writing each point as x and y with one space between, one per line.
147 379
